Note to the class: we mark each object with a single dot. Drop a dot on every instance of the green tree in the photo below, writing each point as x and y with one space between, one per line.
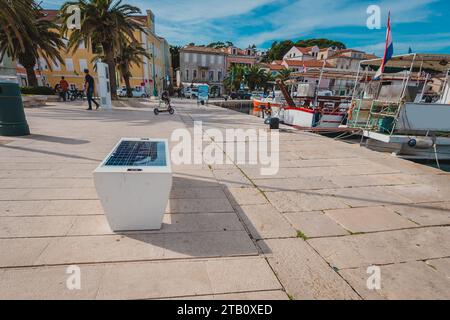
16 21
40 39
103 22
129 54
321 43
284 75
279 49
268 80
236 77
217 45
254 77
175 54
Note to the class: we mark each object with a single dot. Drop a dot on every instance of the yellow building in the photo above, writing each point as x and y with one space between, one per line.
152 74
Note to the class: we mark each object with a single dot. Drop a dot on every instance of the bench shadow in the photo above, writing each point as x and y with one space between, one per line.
55 139
199 227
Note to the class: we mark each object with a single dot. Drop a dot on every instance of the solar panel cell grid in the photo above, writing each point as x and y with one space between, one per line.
138 154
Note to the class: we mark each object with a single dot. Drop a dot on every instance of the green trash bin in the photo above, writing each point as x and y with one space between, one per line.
13 122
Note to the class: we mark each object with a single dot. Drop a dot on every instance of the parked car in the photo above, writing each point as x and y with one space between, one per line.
241 95
191 93
138 92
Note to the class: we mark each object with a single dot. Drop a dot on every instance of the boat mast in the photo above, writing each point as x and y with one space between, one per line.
316 99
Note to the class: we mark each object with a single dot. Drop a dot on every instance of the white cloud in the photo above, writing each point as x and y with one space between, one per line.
204 21
326 14
198 11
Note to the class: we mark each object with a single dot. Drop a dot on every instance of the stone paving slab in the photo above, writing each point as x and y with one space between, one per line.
363 220
130 247
202 225
199 205
403 281
294 184
303 272
385 247
50 207
21 252
198 193
264 222
232 178
29 227
442 266
60 226
315 224
49 194
255 295
366 196
245 196
303 201
148 247
420 193
22 183
144 280
375 180
286 162
48 283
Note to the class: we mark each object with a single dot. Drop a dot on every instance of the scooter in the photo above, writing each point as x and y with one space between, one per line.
166 99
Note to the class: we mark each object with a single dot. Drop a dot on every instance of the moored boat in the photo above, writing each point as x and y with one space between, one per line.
407 110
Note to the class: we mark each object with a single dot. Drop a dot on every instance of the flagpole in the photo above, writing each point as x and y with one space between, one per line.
388 50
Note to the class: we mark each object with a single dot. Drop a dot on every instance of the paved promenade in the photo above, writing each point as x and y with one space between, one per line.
310 232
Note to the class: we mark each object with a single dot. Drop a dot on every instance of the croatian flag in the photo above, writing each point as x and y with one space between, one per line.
389 50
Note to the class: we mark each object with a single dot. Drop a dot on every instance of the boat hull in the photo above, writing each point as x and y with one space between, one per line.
403 150
307 118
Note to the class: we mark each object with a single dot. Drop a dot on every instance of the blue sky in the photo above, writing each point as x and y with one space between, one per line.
419 24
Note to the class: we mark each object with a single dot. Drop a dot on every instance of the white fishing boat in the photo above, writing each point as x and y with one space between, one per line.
321 103
406 111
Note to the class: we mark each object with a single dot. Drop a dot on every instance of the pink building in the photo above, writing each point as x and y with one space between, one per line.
245 57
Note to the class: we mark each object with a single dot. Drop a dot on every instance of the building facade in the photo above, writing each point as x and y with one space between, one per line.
347 59
151 75
302 54
203 65
199 64
243 57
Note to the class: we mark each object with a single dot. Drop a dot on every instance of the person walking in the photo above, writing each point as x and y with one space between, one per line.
89 86
64 88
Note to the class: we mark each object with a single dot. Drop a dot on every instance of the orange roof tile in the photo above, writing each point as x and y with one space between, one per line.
203 49
276 67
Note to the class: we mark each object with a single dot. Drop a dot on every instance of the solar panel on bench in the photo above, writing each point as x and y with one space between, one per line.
138 154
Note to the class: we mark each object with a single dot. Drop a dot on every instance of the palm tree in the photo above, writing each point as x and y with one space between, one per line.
284 75
254 77
236 76
129 54
40 39
103 22
15 16
268 80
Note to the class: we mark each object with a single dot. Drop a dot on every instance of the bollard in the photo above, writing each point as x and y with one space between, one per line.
274 123
12 115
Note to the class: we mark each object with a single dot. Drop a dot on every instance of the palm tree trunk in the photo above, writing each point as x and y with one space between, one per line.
126 78
109 55
31 75
29 62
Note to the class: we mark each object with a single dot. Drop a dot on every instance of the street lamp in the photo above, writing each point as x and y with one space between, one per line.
155 91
